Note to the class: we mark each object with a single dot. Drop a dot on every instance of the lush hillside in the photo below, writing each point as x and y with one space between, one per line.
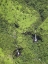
43 27
18 21
41 6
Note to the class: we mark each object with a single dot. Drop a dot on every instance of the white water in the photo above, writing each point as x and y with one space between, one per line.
35 38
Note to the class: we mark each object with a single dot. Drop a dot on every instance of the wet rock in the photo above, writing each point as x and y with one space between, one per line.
17 52
38 37
35 37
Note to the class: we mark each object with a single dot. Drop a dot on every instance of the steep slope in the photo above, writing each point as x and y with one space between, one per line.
41 6
43 28
14 12
16 18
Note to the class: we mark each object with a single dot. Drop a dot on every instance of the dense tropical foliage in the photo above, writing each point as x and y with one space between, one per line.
18 21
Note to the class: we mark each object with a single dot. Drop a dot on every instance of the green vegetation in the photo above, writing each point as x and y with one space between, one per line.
18 17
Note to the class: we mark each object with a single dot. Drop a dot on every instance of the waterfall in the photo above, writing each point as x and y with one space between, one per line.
35 38
18 52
